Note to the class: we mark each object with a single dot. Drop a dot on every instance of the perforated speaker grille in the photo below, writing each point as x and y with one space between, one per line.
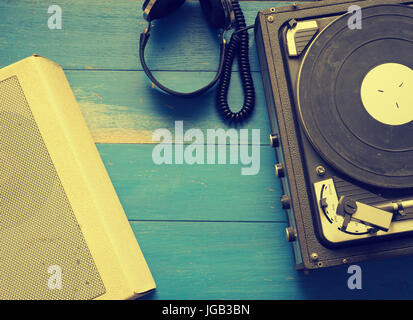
43 254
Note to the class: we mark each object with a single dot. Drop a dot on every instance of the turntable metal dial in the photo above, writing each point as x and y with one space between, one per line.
327 205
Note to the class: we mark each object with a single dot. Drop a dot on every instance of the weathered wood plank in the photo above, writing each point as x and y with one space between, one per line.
201 259
104 35
191 192
122 107
208 260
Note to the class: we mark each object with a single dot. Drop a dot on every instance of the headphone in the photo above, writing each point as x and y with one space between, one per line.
220 14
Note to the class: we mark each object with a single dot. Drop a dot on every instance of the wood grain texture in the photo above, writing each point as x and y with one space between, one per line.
198 192
209 260
206 231
104 35
122 107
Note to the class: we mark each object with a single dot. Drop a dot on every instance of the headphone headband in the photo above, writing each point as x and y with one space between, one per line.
147 9
222 14
144 37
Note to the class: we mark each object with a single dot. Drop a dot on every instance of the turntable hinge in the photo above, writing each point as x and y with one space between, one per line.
299 36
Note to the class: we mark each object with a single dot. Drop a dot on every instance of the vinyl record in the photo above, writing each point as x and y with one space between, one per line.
355 96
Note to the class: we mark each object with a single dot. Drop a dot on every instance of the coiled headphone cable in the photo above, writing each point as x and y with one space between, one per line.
238 46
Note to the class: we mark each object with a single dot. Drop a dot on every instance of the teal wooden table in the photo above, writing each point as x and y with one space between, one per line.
206 231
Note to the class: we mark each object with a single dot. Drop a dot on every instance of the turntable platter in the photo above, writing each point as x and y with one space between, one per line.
355 96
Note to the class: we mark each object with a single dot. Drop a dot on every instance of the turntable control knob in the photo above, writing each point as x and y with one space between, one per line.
279 170
274 140
285 202
291 234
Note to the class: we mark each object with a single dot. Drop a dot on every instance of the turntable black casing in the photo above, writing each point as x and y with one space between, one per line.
322 135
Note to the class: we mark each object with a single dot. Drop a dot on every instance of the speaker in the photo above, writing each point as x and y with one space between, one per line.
63 232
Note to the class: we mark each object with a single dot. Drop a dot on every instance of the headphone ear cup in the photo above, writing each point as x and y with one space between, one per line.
215 13
160 8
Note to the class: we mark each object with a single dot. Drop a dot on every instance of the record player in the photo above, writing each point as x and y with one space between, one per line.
340 101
